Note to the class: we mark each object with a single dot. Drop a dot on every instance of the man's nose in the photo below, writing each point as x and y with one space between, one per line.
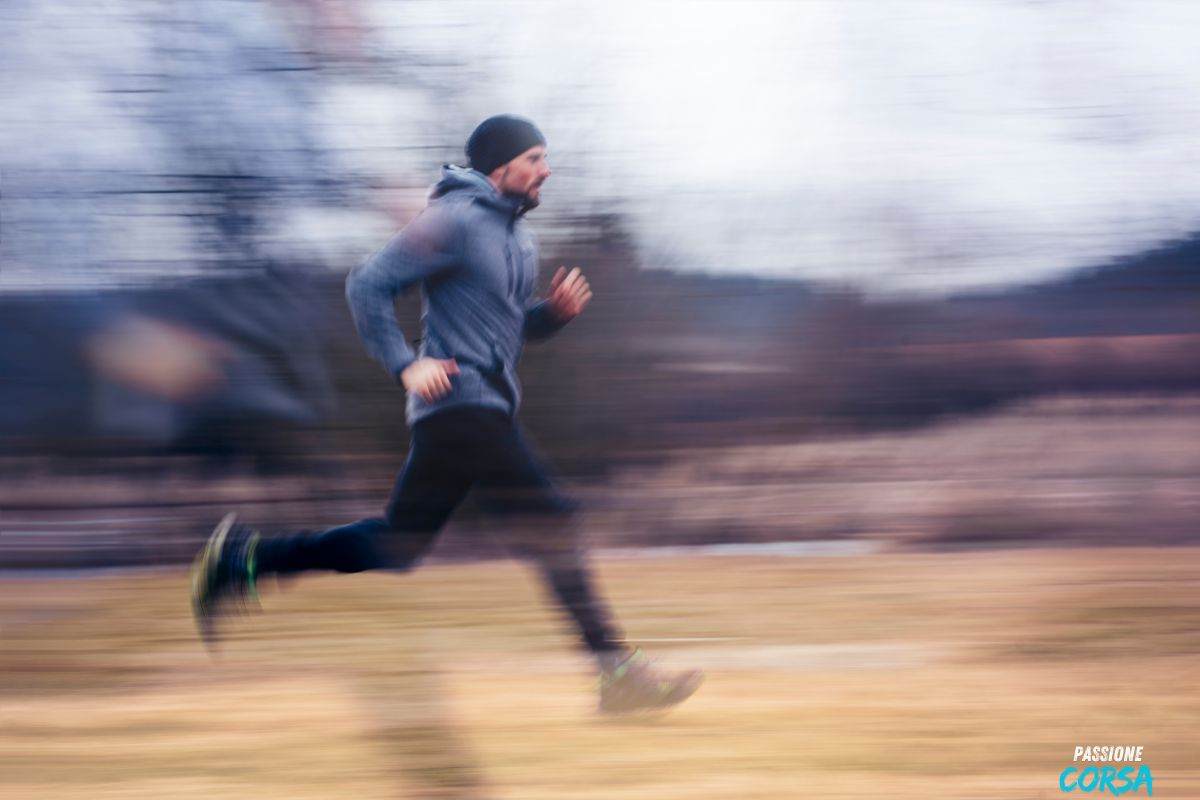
545 171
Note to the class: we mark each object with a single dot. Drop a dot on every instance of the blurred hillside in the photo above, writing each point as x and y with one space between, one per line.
666 359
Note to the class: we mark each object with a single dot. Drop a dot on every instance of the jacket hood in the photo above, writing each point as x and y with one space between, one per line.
456 179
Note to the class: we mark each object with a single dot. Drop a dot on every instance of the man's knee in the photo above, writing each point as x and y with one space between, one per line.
407 538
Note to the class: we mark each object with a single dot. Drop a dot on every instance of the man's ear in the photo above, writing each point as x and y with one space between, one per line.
496 176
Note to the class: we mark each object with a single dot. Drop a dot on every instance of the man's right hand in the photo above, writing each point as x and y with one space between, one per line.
429 377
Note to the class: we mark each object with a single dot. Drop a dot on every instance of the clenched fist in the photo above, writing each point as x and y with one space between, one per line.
429 378
569 293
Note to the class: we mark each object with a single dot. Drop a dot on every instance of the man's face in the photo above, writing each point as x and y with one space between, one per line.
524 175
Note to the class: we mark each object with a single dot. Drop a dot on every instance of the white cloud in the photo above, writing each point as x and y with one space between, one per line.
910 146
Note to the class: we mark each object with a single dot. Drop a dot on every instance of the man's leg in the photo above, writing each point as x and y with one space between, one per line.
542 528
427 491
515 483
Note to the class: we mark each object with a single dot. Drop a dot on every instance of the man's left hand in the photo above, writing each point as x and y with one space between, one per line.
569 293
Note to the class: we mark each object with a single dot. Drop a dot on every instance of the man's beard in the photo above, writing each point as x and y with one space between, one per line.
528 200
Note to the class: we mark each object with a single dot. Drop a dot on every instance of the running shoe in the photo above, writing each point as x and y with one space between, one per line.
223 574
636 684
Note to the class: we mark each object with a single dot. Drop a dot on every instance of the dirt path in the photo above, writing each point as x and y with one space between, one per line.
930 675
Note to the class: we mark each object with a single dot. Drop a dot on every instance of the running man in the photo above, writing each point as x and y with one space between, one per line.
476 263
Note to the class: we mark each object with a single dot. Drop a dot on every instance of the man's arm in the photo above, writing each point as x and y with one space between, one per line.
429 245
540 321
569 295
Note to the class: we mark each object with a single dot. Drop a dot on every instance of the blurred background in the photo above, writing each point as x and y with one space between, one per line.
953 250
880 280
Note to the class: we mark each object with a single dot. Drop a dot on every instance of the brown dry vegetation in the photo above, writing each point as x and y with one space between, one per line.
1110 470
1113 470
917 675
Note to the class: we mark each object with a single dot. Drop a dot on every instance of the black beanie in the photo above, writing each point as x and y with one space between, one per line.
500 139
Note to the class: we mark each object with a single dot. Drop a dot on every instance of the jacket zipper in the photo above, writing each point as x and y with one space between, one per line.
514 279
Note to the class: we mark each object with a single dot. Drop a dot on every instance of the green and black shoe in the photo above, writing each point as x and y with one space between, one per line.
636 684
223 573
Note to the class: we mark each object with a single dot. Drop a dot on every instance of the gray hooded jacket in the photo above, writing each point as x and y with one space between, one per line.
476 263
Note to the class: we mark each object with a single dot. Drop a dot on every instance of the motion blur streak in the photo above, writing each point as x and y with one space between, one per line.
905 294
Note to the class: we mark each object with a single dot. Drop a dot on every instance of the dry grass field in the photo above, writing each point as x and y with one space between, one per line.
1083 471
909 675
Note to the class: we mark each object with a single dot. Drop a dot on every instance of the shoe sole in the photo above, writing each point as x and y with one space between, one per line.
202 569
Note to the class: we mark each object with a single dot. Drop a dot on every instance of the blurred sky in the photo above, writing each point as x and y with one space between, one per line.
910 146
